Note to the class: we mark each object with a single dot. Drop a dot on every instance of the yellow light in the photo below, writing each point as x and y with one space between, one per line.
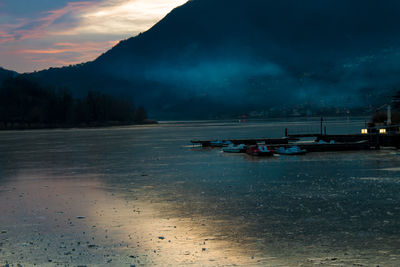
382 131
364 131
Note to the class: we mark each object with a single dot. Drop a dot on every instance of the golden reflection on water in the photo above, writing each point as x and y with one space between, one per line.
42 223
136 195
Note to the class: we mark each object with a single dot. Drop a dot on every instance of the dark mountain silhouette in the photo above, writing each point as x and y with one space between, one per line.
4 74
212 57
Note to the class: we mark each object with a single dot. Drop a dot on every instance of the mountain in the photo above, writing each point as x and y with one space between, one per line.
4 74
213 57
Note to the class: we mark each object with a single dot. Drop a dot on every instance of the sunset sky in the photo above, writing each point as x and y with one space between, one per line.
38 34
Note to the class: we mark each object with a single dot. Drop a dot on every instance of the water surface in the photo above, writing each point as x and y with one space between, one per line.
143 195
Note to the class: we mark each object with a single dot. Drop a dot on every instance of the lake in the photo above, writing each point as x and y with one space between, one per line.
144 196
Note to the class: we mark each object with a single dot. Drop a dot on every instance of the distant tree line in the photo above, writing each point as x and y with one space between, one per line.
27 104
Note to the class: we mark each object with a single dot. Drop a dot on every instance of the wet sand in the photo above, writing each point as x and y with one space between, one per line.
140 196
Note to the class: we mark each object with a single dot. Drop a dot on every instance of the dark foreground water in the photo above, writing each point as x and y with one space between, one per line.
145 196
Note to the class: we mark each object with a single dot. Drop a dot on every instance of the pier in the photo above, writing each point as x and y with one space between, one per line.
248 142
377 137
370 138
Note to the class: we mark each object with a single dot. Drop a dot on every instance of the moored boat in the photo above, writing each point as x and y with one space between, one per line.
294 150
235 149
220 143
259 150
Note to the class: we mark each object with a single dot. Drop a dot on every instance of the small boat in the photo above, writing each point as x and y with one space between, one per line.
248 142
294 150
235 149
259 150
219 143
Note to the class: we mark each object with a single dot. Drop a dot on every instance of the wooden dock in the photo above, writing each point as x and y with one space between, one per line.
325 147
248 142
348 142
374 140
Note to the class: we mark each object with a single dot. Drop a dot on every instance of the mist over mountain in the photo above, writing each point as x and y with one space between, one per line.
213 57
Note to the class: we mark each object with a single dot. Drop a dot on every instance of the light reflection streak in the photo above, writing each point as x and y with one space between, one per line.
118 224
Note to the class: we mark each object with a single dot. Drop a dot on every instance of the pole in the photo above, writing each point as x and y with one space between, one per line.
389 115
377 145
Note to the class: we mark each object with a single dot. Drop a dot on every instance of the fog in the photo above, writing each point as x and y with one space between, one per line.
240 56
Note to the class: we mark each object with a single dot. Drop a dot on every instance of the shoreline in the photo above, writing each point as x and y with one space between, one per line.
43 126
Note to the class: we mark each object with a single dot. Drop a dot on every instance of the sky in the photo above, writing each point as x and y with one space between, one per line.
38 34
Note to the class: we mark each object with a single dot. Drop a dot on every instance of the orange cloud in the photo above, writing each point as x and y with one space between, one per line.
92 45
66 48
62 53
67 35
6 31
40 27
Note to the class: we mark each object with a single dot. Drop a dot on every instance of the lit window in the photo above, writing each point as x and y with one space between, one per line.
364 131
382 131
